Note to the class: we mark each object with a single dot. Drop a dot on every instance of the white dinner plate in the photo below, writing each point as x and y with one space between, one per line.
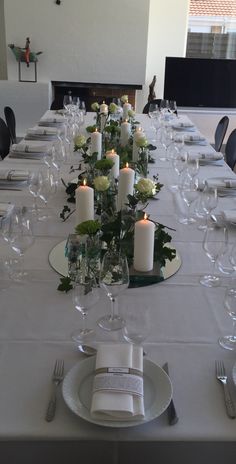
77 392
234 373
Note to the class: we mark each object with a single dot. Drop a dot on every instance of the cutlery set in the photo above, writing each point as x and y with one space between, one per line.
58 376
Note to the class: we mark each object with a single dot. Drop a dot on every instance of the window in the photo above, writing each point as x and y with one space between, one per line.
212 29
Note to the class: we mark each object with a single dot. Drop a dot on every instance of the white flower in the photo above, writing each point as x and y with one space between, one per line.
101 183
124 98
142 142
80 141
146 186
95 106
131 113
113 108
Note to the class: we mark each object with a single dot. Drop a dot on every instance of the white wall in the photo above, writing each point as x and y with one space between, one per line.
82 40
167 35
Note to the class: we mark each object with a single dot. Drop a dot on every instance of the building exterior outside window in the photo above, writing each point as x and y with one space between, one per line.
212 29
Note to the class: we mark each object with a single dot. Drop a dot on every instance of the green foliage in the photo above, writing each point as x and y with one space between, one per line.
65 285
88 228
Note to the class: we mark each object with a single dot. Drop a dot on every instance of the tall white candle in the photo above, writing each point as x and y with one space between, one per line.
125 186
115 170
126 107
144 231
138 133
84 197
125 131
103 108
96 143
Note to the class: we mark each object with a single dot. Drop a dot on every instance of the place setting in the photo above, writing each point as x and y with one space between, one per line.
30 150
13 179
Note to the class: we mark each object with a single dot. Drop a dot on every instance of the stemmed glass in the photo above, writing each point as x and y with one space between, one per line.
214 244
153 113
114 279
67 102
189 193
18 233
208 202
173 107
85 295
229 341
34 187
164 106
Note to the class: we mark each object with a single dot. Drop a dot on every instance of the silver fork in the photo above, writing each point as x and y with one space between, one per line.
222 377
57 377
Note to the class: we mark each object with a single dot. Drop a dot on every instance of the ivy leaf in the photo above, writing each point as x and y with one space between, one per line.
65 285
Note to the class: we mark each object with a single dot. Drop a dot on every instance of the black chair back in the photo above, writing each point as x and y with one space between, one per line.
146 107
11 122
57 104
5 140
220 132
230 150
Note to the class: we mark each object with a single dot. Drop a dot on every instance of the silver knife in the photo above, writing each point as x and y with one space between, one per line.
171 411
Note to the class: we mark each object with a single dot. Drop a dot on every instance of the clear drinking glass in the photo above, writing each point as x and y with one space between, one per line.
189 193
208 202
114 279
229 341
19 235
214 244
85 294
137 320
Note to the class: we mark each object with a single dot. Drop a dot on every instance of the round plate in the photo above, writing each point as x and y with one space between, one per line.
234 373
77 392
59 263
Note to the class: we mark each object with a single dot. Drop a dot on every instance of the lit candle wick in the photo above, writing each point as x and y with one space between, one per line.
145 216
127 165
85 182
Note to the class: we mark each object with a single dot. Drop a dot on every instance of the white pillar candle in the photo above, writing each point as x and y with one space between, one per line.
125 186
115 170
126 107
138 133
84 197
103 108
144 231
96 143
125 131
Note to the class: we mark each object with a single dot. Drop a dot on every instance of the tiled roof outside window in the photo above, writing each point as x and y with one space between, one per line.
226 8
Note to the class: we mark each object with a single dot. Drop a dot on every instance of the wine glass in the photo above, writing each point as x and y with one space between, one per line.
214 244
19 235
164 106
114 279
173 107
229 341
189 193
34 187
67 102
153 113
85 295
208 202
179 163
192 165
137 320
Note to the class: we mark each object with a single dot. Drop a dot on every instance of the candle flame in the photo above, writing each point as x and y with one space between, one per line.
113 151
127 165
145 216
126 120
96 129
140 129
103 102
85 182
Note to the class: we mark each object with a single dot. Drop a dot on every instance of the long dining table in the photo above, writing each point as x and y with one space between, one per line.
187 319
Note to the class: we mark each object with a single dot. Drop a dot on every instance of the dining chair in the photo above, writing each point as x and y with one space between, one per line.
57 103
11 123
5 140
220 132
230 150
146 107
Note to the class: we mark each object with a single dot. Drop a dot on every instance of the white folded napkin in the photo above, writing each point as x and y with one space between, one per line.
182 125
229 215
194 138
28 148
42 131
57 120
118 383
3 208
13 175
210 156
221 183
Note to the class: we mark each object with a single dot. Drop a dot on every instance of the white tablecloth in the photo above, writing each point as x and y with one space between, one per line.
187 319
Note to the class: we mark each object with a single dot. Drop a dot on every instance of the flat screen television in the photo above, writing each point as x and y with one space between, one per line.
201 82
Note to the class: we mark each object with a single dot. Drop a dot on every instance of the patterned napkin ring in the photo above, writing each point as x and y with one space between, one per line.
119 380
